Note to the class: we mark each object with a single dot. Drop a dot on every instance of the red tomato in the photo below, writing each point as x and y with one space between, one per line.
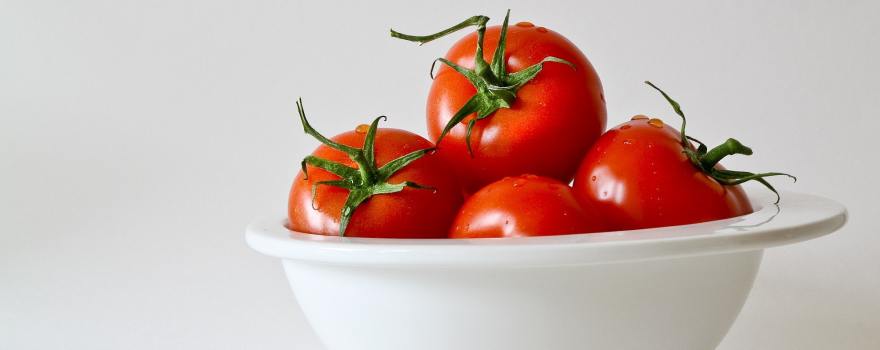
637 176
526 205
549 125
409 213
645 174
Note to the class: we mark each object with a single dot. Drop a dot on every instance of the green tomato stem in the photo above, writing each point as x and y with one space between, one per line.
496 88
729 147
479 21
362 183
705 159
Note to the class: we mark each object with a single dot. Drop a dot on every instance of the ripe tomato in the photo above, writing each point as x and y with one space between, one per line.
637 176
417 201
525 205
641 174
549 121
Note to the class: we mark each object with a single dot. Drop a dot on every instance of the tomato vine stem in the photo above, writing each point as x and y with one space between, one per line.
496 88
706 159
363 182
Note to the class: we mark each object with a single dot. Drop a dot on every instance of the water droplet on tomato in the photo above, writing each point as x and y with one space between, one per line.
518 183
625 127
627 142
593 178
525 24
362 129
657 123
434 191
542 29
639 117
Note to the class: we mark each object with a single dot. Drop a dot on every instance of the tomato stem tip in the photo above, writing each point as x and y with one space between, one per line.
496 88
362 182
706 160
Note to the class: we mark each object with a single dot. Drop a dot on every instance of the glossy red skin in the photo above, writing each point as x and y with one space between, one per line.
636 176
411 213
520 206
551 125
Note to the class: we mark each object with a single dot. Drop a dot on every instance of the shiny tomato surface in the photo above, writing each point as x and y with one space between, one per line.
636 176
411 213
552 123
525 205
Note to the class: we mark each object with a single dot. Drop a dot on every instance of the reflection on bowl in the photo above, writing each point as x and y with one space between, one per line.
678 287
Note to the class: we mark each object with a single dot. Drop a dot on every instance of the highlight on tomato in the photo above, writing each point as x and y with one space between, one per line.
644 173
525 205
372 182
511 100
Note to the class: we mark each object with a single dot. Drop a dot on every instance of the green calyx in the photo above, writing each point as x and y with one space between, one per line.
496 88
705 159
367 179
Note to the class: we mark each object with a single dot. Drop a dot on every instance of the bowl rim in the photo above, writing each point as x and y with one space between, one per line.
796 218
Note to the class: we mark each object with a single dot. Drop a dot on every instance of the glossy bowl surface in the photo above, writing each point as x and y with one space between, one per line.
678 287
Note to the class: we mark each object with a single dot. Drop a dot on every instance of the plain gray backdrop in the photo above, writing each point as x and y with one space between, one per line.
138 138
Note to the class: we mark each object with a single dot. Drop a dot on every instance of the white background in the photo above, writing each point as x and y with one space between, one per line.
137 139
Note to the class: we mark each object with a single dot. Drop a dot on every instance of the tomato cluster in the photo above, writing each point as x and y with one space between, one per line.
515 114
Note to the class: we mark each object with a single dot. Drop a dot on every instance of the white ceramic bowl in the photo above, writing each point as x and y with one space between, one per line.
677 287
